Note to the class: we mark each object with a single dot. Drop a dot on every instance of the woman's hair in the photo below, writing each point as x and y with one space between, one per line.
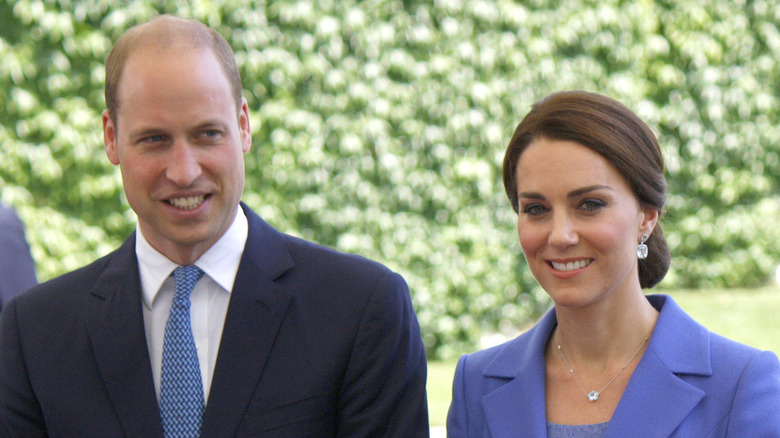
608 128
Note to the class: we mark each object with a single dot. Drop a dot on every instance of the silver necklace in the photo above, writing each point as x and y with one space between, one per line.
594 395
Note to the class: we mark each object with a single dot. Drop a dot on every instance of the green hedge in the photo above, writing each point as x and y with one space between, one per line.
379 128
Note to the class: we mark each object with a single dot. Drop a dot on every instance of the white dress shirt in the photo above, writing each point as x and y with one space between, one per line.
210 297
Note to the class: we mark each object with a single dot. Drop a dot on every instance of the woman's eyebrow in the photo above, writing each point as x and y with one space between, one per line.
584 190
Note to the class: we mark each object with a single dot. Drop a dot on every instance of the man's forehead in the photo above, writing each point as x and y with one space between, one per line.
158 83
159 50
151 60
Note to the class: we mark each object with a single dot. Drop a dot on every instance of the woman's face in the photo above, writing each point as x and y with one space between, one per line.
579 223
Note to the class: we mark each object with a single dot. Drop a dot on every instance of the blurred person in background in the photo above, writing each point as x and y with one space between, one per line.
585 176
206 321
17 268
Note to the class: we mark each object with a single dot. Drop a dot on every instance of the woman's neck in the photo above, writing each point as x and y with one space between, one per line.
605 331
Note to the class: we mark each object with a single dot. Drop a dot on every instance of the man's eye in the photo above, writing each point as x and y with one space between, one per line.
153 139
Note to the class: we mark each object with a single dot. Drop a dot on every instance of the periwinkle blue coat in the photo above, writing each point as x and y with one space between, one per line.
689 383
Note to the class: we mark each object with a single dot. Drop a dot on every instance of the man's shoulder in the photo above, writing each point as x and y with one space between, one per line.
306 251
308 255
61 288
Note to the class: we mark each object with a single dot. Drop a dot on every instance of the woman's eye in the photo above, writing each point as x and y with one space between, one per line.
534 210
592 205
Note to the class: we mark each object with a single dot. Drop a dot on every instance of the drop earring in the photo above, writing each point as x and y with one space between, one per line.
641 249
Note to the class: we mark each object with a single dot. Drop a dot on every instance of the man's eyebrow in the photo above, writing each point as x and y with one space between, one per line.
210 123
145 132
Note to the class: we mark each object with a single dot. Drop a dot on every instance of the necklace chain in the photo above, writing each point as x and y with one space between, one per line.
594 395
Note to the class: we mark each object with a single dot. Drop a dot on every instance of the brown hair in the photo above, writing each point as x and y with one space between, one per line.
167 31
613 131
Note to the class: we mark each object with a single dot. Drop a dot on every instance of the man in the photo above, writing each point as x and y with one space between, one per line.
17 268
287 338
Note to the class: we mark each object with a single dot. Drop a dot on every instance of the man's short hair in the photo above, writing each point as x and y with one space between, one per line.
165 32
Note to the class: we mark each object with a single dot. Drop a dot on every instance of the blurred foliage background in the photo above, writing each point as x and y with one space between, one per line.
379 128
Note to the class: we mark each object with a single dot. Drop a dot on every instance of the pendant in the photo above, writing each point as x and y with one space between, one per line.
593 396
641 251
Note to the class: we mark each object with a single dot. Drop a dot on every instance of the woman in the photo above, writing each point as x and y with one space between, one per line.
585 176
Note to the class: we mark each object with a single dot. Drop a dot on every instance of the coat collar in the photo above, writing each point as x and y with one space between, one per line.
655 401
257 308
115 326
521 363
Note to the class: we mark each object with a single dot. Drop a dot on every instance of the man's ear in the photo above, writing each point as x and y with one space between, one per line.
109 138
244 128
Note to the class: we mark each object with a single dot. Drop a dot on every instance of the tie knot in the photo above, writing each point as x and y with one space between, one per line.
185 278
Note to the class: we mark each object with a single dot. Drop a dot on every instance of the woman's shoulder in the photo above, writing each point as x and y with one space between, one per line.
505 358
678 330
728 354
689 348
480 359
747 379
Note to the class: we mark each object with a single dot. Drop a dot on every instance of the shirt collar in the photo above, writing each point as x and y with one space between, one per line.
220 262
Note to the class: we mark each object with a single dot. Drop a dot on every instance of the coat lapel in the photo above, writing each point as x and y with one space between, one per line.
656 400
523 368
114 320
255 314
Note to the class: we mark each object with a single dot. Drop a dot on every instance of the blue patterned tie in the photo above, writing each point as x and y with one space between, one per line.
181 387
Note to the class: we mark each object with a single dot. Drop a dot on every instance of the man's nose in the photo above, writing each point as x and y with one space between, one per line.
183 166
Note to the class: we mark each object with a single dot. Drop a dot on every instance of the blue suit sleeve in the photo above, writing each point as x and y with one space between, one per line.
384 391
756 408
21 414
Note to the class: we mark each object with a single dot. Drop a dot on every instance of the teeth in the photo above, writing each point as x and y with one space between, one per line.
579 264
187 203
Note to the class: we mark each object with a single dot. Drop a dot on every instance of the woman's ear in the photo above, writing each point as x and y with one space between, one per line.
649 220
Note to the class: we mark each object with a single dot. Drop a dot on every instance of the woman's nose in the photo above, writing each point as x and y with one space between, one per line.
562 232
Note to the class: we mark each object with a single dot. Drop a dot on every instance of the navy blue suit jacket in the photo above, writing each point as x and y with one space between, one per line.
315 344
17 269
689 383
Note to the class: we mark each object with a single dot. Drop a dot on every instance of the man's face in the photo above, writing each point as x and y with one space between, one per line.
179 144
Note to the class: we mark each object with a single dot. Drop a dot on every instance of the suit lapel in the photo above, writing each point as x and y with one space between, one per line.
114 321
656 400
255 314
524 369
